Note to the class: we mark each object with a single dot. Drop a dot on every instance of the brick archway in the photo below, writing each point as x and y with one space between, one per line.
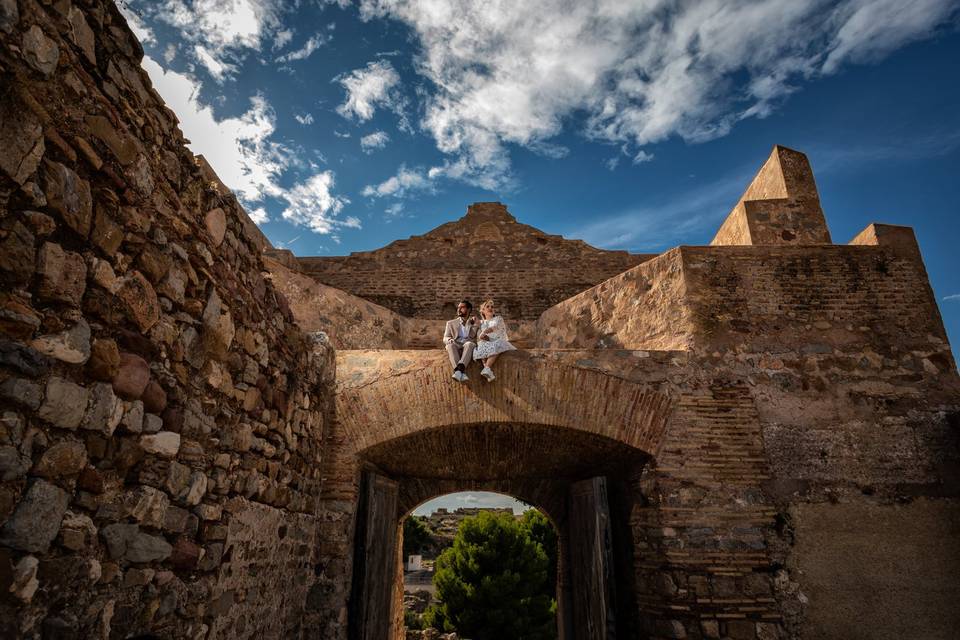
569 439
383 396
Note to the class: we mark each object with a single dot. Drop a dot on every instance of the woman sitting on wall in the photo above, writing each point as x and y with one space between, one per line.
491 339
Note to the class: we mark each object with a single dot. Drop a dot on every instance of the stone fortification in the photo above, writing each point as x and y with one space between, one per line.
745 440
484 254
162 415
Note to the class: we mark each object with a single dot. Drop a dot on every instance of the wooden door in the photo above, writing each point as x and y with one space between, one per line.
375 559
591 561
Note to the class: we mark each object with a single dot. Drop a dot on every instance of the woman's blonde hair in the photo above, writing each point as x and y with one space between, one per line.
487 303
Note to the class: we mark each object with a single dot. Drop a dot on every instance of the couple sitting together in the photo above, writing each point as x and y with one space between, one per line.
467 339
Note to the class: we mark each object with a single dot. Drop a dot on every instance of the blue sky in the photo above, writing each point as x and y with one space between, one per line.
633 125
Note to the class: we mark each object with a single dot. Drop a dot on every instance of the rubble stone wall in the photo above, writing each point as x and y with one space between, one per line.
162 415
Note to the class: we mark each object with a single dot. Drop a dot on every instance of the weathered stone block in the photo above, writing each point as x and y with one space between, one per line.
36 521
71 345
63 274
21 138
164 443
22 391
132 377
18 256
139 300
9 15
64 403
62 459
104 359
69 195
40 52
127 542
216 222
82 34
105 411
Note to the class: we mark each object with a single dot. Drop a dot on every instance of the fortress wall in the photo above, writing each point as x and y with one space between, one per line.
642 308
485 254
521 294
820 298
161 412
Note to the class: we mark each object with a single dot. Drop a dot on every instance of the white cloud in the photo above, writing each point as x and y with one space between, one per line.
341 134
223 24
142 31
241 152
955 296
642 156
216 68
394 211
222 31
374 141
312 204
368 88
398 185
170 53
304 119
238 148
282 38
515 73
258 215
307 49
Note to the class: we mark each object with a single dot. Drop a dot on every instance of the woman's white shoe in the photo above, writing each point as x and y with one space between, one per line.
487 373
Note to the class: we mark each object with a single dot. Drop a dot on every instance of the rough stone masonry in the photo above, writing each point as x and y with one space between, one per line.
776 418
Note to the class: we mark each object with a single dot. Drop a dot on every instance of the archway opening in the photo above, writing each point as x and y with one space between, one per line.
481 564
583 481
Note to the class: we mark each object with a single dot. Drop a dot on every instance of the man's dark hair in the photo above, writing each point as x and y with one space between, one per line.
466 302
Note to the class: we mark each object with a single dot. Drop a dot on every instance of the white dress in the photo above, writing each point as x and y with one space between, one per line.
495 329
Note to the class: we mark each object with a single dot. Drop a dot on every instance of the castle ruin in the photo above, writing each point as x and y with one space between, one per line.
204 437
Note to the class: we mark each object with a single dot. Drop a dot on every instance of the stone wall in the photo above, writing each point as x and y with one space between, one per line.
643 308
781 206
485 254
162 414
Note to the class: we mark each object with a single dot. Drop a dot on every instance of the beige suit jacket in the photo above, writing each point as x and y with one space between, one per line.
452 331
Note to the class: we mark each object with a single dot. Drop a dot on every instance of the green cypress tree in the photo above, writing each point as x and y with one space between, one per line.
494 582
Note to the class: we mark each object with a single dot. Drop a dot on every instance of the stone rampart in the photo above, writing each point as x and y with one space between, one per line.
485 254
161 413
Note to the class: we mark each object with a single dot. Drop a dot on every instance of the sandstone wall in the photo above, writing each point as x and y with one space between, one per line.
160 443
780 206
643 308
485 254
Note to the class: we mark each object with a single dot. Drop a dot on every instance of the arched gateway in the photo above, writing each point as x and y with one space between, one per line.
570 440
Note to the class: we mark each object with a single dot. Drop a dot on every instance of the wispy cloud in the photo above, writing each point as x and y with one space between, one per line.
690 217
955 296
222 32
312 204
303 118
304 52
372 87
243 153
374 141
509 73
405 181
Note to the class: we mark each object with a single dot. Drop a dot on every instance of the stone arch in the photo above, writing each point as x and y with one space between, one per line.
542 432
382 399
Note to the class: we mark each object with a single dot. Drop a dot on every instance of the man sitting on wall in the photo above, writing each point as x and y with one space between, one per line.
460 339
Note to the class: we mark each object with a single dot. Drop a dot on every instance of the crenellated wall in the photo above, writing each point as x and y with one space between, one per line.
162 415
